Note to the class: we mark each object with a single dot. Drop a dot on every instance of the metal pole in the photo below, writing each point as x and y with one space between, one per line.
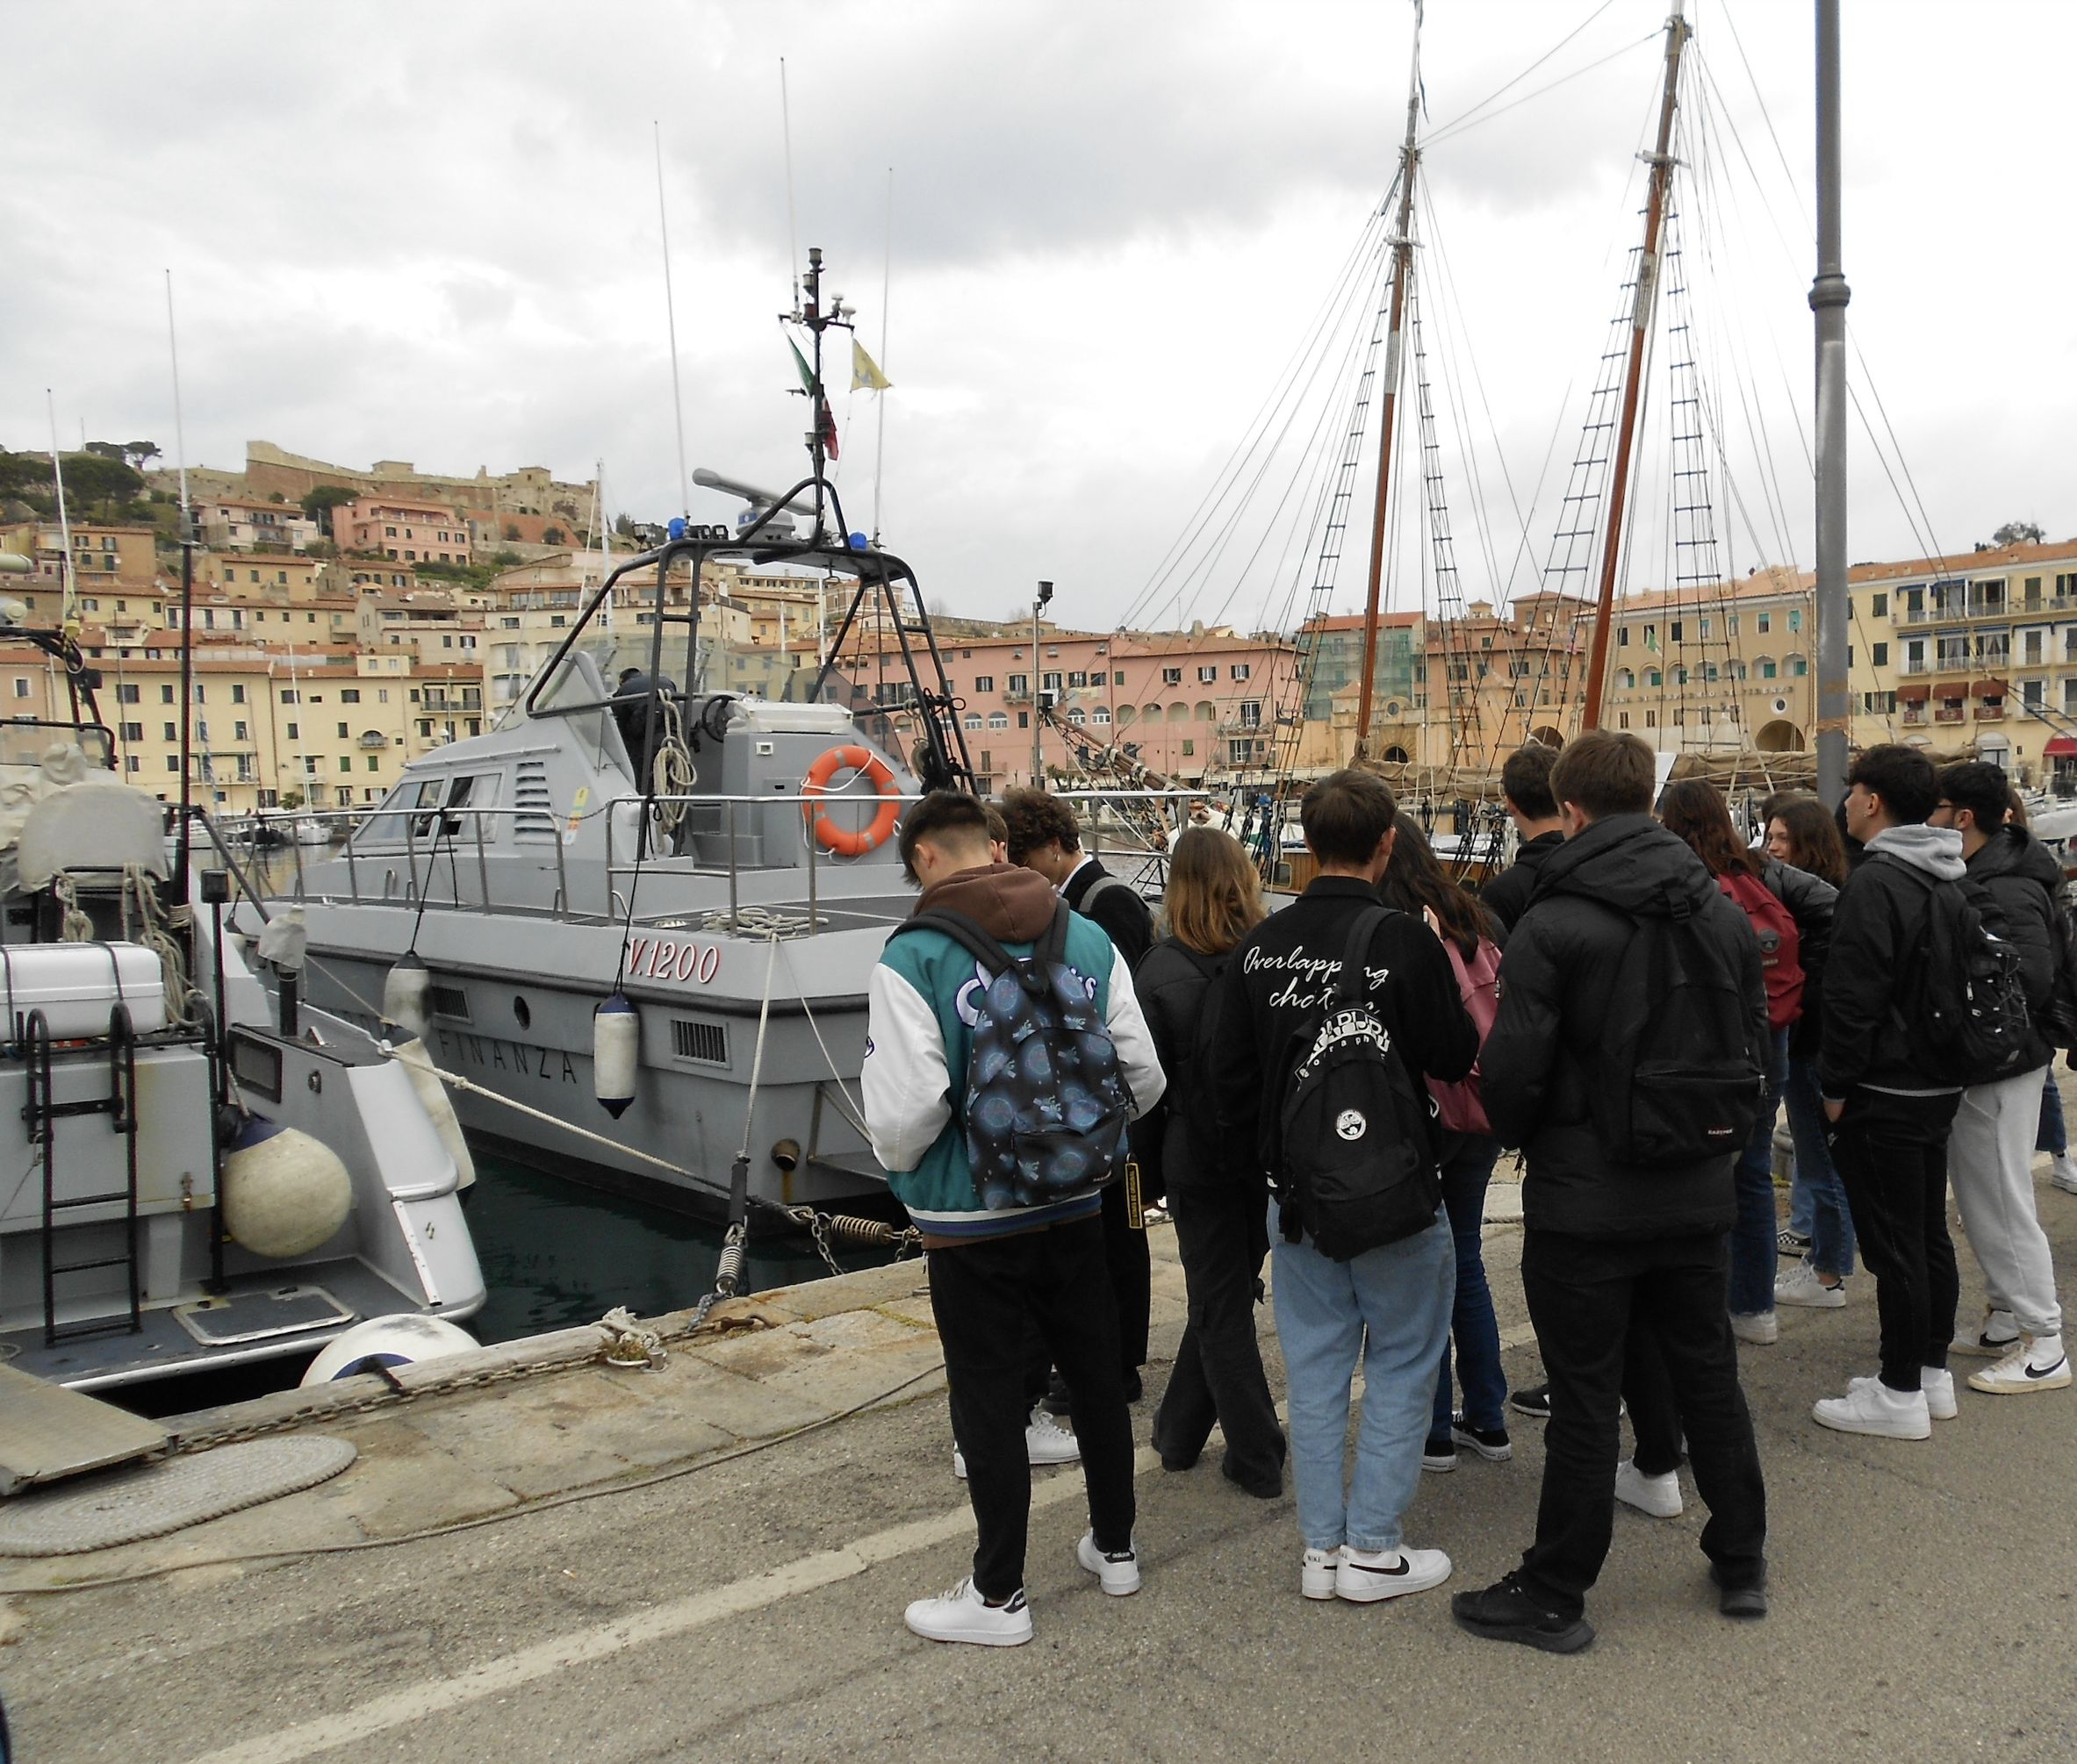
1038 727
1403 252
1828 295
1640 304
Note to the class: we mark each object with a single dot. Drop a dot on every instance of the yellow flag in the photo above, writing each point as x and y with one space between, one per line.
865 371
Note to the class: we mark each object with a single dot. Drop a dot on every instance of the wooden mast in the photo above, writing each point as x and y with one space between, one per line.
1643 294
1402 267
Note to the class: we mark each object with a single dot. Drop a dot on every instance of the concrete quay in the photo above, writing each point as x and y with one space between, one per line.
710 1560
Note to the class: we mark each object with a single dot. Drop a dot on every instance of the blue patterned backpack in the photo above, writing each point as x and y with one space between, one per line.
1046 1104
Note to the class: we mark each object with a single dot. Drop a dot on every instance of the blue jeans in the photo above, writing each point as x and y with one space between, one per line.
1391 1305
1753 1248
1468 1161
1830 1229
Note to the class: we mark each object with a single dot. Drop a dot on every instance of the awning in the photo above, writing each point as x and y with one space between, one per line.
2061 747
1951 689
1990 689
1914 695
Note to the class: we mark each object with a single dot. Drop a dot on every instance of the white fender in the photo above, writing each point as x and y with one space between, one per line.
432 1094
284 1192
401 1340
403 990
617 1053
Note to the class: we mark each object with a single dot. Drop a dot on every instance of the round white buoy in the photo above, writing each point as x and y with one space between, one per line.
413 1057
404 990
401 1340
616 1051
284 1192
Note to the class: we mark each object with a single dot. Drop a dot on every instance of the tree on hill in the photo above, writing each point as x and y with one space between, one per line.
318 504
98 483
2018 532
552 536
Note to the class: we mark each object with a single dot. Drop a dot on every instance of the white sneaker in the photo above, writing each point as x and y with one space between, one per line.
1657 1496
1996 1336
1935 1382
963 1615
1365 1576
1046 1442
1117 1571
2040 1364
1756 1327
2062 1172
1316 1576
1800 1286
1874 1407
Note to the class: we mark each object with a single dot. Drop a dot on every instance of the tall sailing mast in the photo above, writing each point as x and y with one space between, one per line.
1828 294
1644 290
1402 243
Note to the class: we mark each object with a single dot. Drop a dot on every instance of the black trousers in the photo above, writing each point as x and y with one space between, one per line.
1891 1153
1131 1269
984 1297
1222 1229
1586 1297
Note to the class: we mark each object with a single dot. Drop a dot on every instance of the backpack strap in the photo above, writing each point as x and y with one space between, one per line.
1351 984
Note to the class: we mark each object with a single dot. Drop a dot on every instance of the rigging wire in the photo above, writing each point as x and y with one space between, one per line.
1440 136
1463 117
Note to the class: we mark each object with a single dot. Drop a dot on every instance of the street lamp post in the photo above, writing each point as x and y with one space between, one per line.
1038 606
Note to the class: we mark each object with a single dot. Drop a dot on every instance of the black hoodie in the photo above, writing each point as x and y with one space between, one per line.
1556 1004
1506 897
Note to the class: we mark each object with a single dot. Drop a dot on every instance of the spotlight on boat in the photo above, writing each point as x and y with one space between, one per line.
786 1155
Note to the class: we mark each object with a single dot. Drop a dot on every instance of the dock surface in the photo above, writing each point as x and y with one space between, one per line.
748 1605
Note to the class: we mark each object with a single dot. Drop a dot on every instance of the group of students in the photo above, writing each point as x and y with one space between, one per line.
1631 1005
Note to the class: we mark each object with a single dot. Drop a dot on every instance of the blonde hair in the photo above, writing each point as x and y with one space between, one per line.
1214 897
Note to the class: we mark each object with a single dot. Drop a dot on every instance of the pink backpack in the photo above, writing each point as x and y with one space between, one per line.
1459 1105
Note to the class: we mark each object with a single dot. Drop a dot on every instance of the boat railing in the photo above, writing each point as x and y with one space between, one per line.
460 834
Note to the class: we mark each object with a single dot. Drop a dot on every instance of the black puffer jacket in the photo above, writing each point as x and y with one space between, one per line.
1174 985
2025 881
1878 931
1558 1006
1506 897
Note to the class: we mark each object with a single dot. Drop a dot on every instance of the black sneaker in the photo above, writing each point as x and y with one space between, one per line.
1489 1443
1747 1602
1505 1612
1788 1242
1533 1402
1439 1456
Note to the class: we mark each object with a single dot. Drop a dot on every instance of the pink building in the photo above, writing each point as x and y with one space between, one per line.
1198 707
408 531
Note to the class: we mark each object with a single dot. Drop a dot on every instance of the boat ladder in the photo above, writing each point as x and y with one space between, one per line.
42 1112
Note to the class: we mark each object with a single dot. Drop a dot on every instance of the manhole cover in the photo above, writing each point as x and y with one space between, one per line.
130 1505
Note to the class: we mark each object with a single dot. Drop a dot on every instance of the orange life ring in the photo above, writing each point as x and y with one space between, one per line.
832 838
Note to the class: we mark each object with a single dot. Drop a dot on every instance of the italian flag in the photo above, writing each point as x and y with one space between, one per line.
825 422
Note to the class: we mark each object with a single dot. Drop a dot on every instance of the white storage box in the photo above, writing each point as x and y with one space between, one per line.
75 985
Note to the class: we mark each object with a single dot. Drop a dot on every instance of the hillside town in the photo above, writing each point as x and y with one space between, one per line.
347 621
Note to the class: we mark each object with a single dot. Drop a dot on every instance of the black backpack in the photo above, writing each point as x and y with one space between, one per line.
1354 1166
2058 1016
1675 1081
1046 1104
1969 1005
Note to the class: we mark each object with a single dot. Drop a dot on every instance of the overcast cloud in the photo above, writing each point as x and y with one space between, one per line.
429 233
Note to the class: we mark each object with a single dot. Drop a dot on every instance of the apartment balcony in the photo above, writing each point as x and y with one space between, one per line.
1948 714
1911 716
1990 713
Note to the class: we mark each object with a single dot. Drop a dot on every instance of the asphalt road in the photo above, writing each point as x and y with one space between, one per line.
1923 1604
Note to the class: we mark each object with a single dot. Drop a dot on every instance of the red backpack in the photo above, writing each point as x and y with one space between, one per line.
1781 945
1458 1105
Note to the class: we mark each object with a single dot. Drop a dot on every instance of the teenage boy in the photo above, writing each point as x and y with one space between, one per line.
1892 1107
1391 1303
1611 1247
992 1270
1044 836
1990 1155
1525 791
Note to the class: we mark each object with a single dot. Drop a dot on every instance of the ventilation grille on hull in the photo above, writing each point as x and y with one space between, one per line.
706 1041
449 1002
535 821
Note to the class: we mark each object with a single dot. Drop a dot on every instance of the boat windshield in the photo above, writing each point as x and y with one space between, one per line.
26 740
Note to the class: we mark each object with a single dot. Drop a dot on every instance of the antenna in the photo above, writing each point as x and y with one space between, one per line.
792 232
886 277
685 494
66 583
187 609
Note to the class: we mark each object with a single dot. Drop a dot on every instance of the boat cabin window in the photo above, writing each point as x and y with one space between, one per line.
411 813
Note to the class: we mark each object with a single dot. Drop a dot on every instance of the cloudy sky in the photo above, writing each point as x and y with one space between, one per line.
430 233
